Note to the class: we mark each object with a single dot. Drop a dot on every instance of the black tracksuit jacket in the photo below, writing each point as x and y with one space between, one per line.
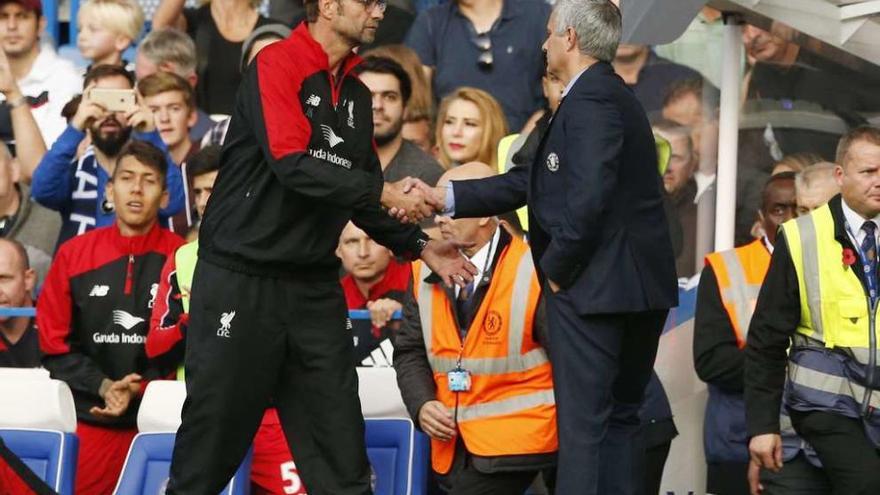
298 163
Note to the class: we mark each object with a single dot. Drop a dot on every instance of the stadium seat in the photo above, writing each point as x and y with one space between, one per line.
53 25
149 458
379 394
39 425
399 456
50 454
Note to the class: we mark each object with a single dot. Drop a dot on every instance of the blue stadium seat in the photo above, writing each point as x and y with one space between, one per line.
149 459
399 455
53 25
72 28
50 454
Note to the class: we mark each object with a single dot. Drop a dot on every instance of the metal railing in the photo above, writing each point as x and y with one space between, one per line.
354 314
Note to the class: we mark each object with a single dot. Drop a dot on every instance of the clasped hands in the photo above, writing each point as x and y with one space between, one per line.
117 396
410 201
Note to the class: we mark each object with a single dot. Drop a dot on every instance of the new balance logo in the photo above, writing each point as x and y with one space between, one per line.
99 291
125 319
331 136
313 100
225 324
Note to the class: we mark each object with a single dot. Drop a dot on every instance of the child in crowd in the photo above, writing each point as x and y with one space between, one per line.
107 28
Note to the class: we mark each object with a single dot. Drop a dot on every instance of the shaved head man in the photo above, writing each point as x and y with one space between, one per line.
19 346
471 230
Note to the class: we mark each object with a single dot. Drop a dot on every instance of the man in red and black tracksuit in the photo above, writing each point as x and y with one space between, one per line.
93 311
272 468
267 316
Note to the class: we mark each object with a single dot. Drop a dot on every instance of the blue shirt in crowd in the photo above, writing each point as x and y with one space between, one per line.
447 41
75 187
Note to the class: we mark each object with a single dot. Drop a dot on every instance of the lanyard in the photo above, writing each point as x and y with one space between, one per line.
869 278
476 283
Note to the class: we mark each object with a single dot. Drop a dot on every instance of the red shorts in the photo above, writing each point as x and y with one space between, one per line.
102 453
273 471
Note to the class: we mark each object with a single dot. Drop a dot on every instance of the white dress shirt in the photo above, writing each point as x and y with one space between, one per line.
482 259
855 222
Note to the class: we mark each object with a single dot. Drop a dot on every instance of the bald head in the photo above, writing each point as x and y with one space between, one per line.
469 230
15 252
815 185
468 171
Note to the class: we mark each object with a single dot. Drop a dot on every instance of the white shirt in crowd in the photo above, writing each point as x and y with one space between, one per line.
482 259
61 81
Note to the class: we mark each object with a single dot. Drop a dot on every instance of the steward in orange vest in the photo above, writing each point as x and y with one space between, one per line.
473 373
726 297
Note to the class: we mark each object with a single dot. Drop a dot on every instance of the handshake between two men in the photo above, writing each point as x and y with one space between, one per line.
410 201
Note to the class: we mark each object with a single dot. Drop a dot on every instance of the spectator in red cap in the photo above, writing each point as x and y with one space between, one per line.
45 81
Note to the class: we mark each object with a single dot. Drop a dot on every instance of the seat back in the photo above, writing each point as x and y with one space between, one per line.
50 454
53 25
379 393
148 463
38 424
30 399
149 458
399 456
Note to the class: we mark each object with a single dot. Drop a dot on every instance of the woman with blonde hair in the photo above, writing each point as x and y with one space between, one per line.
470 123
219 28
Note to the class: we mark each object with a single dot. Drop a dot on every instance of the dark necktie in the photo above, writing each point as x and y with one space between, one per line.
869 250
462 307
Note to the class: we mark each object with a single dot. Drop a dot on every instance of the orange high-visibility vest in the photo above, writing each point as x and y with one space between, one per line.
510 408
740 273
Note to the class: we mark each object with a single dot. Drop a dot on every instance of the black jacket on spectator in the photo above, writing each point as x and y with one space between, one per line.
94 310
717 358
298 163
25 353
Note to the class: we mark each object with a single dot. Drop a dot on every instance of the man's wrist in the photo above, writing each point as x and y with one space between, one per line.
15 99
106 383
420 244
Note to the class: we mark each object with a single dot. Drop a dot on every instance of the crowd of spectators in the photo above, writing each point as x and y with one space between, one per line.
452 82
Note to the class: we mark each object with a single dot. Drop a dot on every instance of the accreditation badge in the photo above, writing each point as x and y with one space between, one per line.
459 380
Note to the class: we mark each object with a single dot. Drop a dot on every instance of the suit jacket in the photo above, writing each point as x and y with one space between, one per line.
597 226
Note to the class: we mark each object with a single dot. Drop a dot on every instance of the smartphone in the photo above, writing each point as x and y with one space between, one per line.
114 100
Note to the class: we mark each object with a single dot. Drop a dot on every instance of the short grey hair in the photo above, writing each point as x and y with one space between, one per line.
169 45
597 24
817 173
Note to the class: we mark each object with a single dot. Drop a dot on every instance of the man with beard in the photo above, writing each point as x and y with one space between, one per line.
391 88
74 186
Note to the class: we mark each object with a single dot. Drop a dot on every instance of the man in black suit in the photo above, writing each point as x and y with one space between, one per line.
600 240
